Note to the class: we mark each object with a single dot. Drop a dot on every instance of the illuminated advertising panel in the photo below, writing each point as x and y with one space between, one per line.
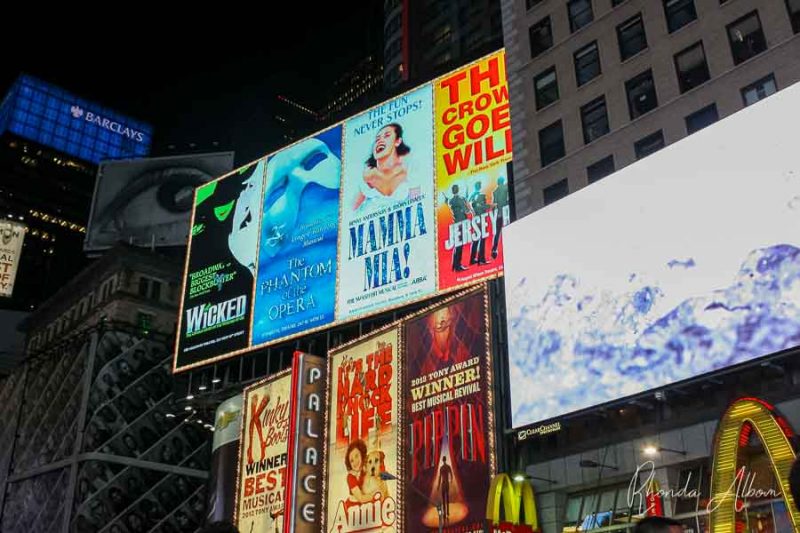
220 272
53 117
224 459
473 143
386 248
362 436
355 220
449 429
684 263
12 235
296 284
306 443
149 201
263 455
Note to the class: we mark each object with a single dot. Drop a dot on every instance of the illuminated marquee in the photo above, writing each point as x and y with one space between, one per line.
741 418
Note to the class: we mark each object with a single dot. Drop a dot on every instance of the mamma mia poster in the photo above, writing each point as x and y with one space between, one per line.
387 230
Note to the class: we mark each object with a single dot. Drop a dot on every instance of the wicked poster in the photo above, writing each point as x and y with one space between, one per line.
221 266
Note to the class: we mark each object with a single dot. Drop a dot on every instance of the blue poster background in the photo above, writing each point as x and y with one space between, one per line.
296 284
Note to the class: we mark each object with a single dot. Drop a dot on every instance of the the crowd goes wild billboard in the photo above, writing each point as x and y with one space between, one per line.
397 204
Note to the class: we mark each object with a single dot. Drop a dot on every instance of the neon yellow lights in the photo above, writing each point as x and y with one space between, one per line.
726 479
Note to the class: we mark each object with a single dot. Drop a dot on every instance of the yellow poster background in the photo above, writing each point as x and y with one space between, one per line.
263 449
361 423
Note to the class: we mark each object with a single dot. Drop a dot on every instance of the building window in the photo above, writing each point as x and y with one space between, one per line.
691 67
679 13
594 119
652 143
551 143
555 192
144 284
631 37
149 288
600 169
393 49
615 3
580 14
393 25
546 88
746 38
702 118
155 290
145 322
530 4
541 37
759 90
794 14
641 93
587 63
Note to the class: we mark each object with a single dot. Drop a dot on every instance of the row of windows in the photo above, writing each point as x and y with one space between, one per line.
71 147
54 97
677 13
641 96
61 125
75 313
594 120
745 36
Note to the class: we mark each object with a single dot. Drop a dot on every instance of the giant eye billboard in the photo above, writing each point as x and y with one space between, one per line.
684 263
400 203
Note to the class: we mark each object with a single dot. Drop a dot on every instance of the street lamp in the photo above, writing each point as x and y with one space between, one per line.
651 450
386 476
523 477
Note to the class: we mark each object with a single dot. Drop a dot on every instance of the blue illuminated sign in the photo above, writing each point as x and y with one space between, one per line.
60 120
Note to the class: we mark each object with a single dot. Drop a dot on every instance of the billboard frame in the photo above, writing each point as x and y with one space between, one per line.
397 326
260 383
336 321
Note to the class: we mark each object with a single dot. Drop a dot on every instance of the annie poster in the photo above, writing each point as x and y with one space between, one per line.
449 429
387 231
362 437
263 454
473 155
296 285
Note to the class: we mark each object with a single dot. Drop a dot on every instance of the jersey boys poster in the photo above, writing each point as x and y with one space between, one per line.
263 450
215 316
362 436
297 254
473 154
387 231
448 423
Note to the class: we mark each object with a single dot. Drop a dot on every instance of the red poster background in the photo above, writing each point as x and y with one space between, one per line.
450 341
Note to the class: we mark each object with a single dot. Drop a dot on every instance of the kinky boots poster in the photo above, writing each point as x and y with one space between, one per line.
449 434
263 454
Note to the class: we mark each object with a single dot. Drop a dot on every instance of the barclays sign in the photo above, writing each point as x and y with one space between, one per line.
78 113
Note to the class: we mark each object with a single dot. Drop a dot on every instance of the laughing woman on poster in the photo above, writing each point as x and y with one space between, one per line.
387 169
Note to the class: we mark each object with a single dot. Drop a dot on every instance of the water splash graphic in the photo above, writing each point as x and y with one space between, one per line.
579 346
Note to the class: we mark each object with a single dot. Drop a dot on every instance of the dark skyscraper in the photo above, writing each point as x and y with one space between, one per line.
50 143
423 38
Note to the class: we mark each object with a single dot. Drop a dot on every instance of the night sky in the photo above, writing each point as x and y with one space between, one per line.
212 78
